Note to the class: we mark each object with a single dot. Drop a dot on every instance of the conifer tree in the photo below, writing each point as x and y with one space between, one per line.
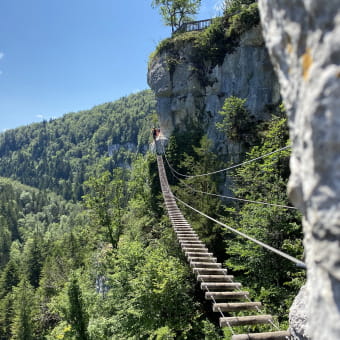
6 315
76 314
5 242
24 311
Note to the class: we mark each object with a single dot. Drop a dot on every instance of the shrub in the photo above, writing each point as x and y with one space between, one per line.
236 119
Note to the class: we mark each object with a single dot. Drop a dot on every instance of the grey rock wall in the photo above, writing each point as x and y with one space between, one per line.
303 39
189 97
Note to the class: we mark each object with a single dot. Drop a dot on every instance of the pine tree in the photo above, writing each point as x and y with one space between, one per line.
76 315
24 311
5 242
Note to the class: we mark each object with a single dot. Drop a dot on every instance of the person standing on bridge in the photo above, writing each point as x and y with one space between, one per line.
154 133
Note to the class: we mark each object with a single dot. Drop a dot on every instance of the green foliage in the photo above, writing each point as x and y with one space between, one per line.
246 18
202 160
150 290
212 44
106 200
237 123
41 252
273 279
24 311
76 314
180 144
60 154
176 12
232 6
111 268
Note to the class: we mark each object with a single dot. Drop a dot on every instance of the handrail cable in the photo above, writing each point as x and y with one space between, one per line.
228 197
264 245
233 166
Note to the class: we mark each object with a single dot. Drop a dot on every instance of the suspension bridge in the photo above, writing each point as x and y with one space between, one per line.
219 287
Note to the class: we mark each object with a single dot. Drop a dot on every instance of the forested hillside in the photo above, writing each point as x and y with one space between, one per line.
87 251
107 267
60 154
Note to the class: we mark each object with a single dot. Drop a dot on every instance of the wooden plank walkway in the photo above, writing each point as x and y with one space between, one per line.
218 286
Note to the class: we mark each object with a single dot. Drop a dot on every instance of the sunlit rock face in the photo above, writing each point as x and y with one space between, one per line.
303 39
188 97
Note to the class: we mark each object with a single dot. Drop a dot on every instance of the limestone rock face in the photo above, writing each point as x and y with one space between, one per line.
298 316
303 39
188 96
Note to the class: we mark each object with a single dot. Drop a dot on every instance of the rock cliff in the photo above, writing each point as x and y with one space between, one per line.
303 38
190 95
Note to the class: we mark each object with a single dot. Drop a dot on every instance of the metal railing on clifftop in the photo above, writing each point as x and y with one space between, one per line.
194 26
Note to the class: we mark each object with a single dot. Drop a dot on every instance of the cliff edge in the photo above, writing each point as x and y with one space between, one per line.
191 85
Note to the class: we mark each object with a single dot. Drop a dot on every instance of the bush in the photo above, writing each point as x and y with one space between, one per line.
242 21
237 121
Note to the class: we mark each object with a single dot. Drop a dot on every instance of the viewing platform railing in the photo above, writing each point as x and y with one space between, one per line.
194 26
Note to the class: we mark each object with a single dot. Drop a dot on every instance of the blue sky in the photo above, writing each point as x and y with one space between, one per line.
60 56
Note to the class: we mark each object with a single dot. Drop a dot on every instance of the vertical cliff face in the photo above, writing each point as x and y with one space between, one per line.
303 38
190 94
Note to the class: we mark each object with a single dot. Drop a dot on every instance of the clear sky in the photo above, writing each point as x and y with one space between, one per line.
60 56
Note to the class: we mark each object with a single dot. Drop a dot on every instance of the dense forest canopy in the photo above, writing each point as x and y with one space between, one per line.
59 154
87 252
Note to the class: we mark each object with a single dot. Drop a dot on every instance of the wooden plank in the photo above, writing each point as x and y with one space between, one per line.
195 264
202 259
210 271
226 295
188 238
235 306
279 335
215 278
245 320
199 242
200 247
191 238
220 285
197 253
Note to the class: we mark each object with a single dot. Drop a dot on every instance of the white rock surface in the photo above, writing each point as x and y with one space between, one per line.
298 316
303 39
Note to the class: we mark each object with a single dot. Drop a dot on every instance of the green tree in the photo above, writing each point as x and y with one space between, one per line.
202 160
237 122
33 255
274 279
76 315
5 242
176 12
106 199
24 308
6 315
